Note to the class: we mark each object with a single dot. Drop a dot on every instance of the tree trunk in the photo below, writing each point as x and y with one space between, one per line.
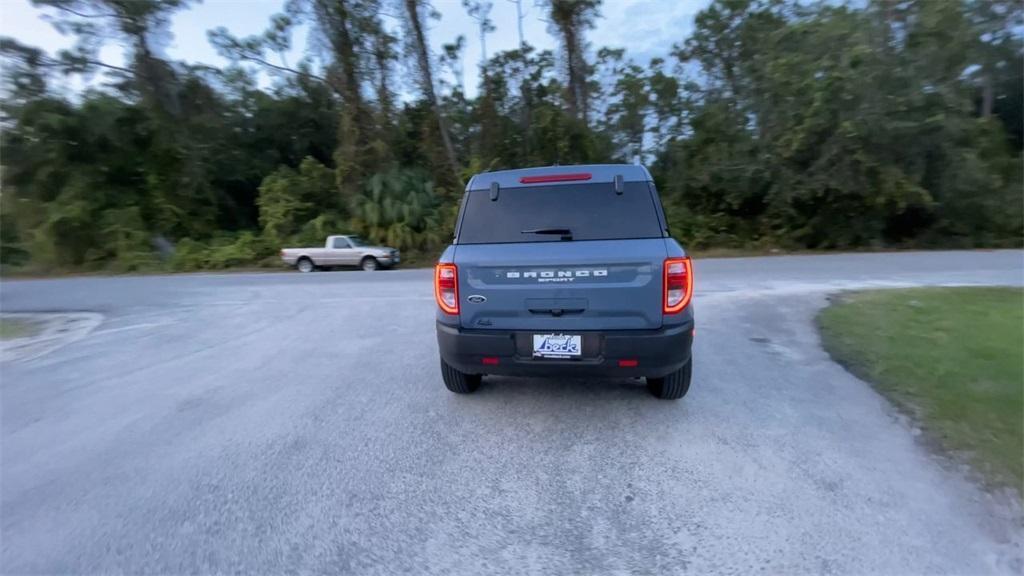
987 94
483 46
355 156
341 41
381 56
427 79
576 65
156 80
526 119
582 91
572 96
519 21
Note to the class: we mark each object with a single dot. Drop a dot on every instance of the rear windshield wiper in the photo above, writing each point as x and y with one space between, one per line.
565 233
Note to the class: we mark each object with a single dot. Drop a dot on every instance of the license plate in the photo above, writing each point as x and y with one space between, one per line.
557 345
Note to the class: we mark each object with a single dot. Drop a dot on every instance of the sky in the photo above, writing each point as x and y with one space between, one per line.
645 28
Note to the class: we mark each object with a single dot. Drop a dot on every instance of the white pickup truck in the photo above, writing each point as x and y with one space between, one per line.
341 251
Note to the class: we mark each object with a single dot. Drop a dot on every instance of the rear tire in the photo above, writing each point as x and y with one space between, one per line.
369 264
305 265
675 385
459 382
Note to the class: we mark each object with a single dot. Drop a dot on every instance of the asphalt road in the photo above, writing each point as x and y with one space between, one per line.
287 423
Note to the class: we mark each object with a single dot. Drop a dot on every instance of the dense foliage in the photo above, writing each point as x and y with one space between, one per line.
776 123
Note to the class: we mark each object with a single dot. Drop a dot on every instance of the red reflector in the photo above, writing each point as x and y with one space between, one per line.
555 178
490 360
628 363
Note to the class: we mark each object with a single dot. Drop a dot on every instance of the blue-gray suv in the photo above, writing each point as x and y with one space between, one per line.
565 271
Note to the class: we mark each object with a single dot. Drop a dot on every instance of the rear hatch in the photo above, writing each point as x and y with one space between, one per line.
561 257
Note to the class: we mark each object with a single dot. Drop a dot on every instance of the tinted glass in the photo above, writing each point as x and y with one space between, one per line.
340 243
589 211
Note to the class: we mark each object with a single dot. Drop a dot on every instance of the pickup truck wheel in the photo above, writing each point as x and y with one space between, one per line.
305 265
459 382
369 264
673 386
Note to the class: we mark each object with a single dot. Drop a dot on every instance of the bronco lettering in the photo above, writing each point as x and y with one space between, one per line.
555 275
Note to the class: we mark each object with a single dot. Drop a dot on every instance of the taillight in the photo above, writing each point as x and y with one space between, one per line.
446 287
678 285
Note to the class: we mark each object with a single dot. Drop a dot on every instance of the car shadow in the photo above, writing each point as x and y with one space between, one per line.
493 386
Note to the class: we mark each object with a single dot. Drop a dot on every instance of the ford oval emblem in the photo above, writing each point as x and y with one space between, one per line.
476 299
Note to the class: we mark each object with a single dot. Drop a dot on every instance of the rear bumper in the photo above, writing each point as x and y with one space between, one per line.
657 352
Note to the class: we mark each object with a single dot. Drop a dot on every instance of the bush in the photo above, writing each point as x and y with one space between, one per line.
245 249
288 198
400 208
316 230
189 255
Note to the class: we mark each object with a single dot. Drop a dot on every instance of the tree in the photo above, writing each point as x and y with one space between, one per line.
666 103
26 71
182 202
451 58
357 41
480 11
835 127
629 102
571 19
418 40
289 199
384 57
135 23
519 21
775 123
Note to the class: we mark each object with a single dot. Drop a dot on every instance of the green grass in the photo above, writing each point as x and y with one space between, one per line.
952 358
16 328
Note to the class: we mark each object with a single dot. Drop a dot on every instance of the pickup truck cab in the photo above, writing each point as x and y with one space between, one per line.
341 250
565 271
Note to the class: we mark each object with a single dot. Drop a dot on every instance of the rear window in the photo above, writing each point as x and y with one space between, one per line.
588 211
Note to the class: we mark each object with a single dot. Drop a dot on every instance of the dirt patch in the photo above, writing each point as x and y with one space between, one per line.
42 333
